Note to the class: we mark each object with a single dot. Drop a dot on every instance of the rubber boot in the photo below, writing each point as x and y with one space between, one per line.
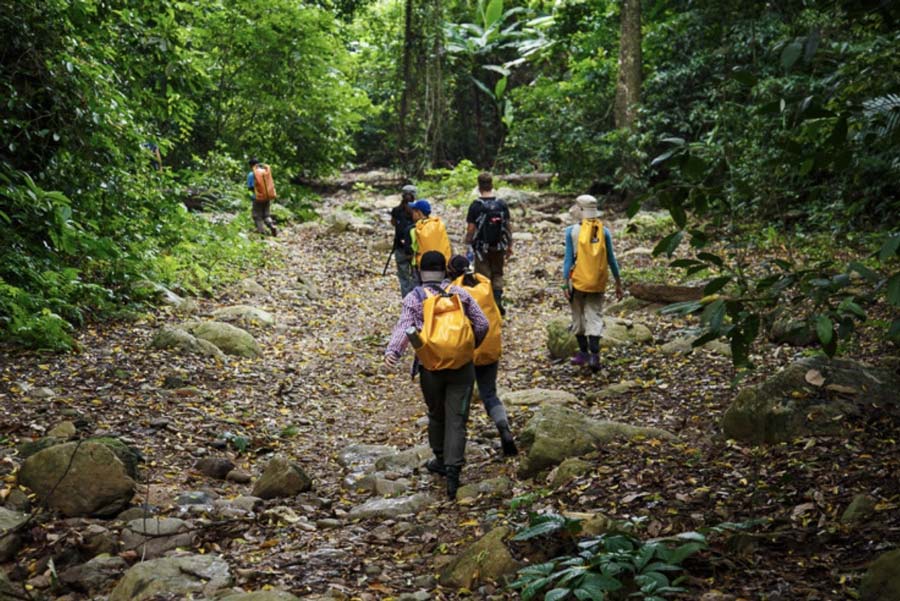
594 362
498 298
506 440
452 481
436 466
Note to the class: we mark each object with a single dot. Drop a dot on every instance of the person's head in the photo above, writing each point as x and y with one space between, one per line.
432 266
253 162
458 266
585 207
420 209
485 182
407 193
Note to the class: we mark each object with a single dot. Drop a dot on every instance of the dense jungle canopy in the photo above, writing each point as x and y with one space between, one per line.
747 157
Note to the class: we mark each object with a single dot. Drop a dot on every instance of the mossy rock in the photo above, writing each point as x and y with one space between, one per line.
487 559
881 581
560 341
129 456
230 339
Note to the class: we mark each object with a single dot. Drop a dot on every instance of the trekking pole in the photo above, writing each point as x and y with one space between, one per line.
388 263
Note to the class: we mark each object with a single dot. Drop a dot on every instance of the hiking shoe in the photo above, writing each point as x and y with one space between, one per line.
594 362
452 482
580 358
436 467
274 231
507 442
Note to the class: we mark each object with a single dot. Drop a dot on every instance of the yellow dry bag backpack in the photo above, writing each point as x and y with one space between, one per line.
591 270
448 341
490 348
263 184
432 235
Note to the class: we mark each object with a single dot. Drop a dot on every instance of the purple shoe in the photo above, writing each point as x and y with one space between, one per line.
580 358
594 362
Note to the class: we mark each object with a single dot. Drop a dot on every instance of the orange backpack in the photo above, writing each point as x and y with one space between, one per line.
490 348
432 235
263 184
448 341
591 270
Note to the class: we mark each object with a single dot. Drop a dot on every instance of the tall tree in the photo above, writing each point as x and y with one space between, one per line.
407 76
628 82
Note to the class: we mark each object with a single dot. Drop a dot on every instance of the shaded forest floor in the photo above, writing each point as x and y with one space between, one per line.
321 387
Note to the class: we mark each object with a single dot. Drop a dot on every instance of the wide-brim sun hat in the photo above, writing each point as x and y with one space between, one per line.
585 207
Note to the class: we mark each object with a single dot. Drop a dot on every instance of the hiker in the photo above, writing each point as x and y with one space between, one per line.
262 193
489 235
429 233
487 355
588 261
447 325
152 151
401 219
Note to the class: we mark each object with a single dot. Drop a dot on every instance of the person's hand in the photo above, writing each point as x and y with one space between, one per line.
391 361
619 293
470 255
509 252
567 292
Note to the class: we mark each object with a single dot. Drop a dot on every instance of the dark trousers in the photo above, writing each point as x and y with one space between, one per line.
447 393
262 215
486 377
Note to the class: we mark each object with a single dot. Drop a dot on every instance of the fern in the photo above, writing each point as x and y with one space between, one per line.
883 113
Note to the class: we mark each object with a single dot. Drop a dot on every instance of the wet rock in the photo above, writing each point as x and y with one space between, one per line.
487 559
79 479
809 397
556 433
95 575
281 478
391 508
153 537
198 575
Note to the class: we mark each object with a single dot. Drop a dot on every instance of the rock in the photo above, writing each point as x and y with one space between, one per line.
153 537
10 591
717 347
42 392
281 478
382 486
129 456
341 221
487 559
617 331
215 467
239 476
513 197
556 433
328 523
493 487
569 469
17 500
537 396
260 596
195 497
133 513
679 346
523 236
560 341
404 461
246 314
85 478
185 342
97 540
627 305
198 575
638 251
860 509
280 514
230 339
881 581
9 546
787 405
10 519
64 430
29 448
95 575
792 332
252 287
614 390
358 456
391 508
247 503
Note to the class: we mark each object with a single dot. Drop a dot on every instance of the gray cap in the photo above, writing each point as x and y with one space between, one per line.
408 189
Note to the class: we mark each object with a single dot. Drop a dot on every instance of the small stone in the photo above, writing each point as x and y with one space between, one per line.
281 478
65 430
94 575
42 392
195 497
155 536
133 513
238 476
247 503
17 500
215 467
328 523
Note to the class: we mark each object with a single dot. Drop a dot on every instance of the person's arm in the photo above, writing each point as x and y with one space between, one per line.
470 233
569 260
509 238
613 264
471 218
410 316
251 181
473 311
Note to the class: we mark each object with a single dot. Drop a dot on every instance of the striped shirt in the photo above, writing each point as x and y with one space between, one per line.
411 315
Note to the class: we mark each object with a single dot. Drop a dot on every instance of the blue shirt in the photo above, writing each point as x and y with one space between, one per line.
569 261
251 184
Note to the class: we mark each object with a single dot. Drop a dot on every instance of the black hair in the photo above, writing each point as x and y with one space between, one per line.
254 161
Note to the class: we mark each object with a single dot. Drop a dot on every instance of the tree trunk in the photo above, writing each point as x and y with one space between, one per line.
402 142
628 81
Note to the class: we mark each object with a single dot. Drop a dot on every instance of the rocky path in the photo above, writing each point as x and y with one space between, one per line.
375 525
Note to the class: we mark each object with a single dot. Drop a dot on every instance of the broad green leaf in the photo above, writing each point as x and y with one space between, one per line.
713 315
556 594
824 329
862 270
500 87
791 53
668 244
716 284
893 290
492 12
889 248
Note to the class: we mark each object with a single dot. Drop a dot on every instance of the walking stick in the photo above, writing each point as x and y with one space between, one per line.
388 263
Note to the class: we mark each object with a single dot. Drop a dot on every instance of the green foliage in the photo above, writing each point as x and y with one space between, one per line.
454 186
615 565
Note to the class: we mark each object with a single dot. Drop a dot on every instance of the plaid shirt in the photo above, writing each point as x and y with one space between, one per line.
411 315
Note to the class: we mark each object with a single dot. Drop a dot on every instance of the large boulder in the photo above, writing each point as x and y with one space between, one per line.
245 314
230 339
79 479
189 575
185 342
487 559
881 581
281 478
556 433
808 397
